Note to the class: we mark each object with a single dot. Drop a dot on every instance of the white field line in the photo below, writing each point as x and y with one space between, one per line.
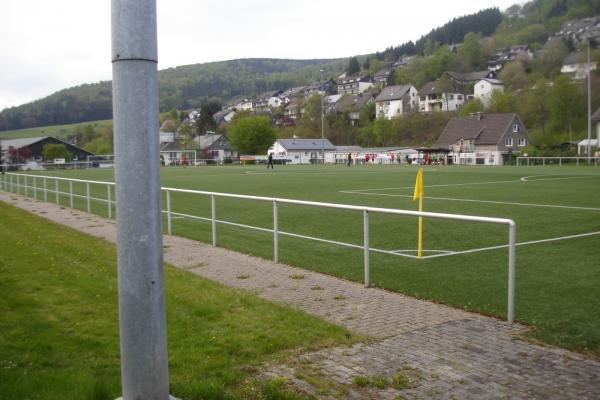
480 201
399 253
523 179
555 239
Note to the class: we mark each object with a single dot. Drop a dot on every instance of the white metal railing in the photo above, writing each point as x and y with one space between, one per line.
543 161
17 183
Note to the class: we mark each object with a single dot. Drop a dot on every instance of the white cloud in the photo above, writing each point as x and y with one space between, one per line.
47 46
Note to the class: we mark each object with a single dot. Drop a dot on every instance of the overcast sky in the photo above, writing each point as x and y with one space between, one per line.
47 45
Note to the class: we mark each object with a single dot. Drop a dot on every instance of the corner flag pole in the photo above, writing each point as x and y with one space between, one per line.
419 195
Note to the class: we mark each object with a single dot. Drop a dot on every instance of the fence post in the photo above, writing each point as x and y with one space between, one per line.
108 198
45 190
18 185
25 186
512 232
87 197
275 233
560 161
71 193
34 188
12 188
214 219
169 223
366 243
57 191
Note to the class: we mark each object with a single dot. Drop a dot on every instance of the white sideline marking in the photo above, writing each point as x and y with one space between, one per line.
480 201
555 239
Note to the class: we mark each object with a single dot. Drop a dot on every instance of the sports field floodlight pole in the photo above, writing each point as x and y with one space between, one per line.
589 93
322 121
142 323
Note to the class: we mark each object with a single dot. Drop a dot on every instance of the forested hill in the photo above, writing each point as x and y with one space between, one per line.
182 87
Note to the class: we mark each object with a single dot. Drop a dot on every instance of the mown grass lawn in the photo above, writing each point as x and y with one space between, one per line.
556 282
59 327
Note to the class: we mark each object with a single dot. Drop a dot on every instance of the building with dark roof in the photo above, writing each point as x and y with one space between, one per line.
31 149
355 84
396 100
430 100
301 151
353 103
483 138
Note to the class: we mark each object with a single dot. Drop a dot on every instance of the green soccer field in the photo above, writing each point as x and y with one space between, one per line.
557 212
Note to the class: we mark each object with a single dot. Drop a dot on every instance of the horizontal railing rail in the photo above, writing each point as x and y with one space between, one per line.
17 183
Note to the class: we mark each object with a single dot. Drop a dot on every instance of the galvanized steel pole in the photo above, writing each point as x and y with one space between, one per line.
144 368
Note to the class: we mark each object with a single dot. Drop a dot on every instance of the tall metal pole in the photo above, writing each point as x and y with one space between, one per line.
589 93
322 122
142 322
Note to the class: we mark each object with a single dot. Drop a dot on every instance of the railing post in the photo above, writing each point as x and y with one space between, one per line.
214 219
56 191
512 232
109 201
45 190
34 188
71 194
12 188
18 185
366 243
25 186
87 197
275 233
169 223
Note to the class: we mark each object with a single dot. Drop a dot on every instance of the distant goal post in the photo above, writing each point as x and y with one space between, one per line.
560 161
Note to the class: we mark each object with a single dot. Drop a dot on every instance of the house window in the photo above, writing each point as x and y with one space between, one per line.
459 97
522 142
451 97
508 142
515 127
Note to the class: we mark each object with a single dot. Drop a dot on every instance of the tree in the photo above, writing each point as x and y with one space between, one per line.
502 102
383 130
251 134
567 105
51 151
471 51
353 66
444 86
205 121
513 75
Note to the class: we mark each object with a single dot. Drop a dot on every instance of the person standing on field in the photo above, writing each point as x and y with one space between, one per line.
349 159
270 164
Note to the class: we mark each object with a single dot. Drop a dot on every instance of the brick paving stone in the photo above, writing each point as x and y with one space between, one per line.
447 353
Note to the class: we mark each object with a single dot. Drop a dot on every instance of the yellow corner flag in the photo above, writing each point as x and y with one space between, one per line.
419 185
419 195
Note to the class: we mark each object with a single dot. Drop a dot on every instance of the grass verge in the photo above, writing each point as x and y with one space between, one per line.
59 329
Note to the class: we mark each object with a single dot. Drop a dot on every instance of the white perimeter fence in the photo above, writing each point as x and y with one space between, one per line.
560 161
49 185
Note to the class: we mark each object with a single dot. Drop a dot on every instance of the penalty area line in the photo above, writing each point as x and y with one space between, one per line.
555 239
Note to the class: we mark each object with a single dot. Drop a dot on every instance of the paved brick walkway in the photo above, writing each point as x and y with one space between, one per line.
423 350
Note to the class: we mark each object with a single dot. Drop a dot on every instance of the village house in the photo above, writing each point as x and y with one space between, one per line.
267 101
576 64
223 117
382 76
396 100
353 103
300 151
320 88
484 88
483 139
464 81
503 56
215 146
17 151
430 100
355 84
295 108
